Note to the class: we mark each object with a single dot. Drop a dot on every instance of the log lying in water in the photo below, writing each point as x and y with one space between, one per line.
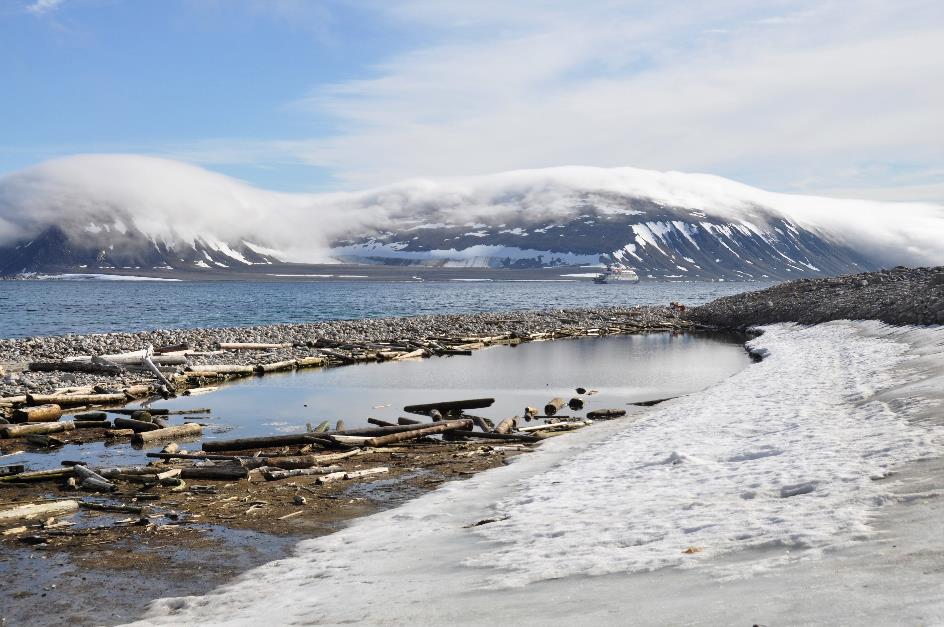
242 444
91 415
91 480
447 406
310 362
168 433
251 346
603 414
39 413
66 400
402 420
278 366
15 431
440 427
576 404
553 405
138 426
380 423
38 510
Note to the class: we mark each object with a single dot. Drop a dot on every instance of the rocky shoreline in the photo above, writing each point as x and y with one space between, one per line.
897 296
361 340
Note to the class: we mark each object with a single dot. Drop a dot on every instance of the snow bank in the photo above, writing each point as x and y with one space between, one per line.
769 468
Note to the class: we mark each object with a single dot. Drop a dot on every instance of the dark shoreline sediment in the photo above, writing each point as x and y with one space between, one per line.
897 296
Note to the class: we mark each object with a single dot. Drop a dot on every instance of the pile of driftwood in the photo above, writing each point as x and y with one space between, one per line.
39 423
318 453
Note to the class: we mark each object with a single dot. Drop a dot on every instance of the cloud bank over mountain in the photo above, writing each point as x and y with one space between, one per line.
173 203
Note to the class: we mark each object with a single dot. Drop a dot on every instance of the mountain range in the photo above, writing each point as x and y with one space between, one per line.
108 213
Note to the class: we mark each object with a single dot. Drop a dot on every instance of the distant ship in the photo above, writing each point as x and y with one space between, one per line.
616 273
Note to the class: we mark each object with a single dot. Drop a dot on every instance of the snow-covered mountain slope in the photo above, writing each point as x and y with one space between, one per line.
120 211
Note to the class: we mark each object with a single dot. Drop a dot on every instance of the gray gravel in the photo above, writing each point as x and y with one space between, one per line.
897 296
16 353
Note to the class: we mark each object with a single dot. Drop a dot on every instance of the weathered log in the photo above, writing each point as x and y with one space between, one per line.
366 472
38 510
112 507
553 405
251 346
72 400
12 469
275 475
147 361
137 391
581 390
348 440
446 406
555 426
575 404
91 415
408 421
436 415
39 475
653 402
323 426
309 362
242 444
219 472
507 425
441 427
143 415
453 351
339 427
380 423
91 480
531 411
293 462
39 413
602 414
497 436
188 430
278 366
334 476
138 426
479 422
15 431
74 366
410 355
222 369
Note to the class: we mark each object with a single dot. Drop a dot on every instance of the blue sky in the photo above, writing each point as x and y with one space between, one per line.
833 97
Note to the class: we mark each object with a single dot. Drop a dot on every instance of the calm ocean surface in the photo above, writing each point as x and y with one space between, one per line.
35 308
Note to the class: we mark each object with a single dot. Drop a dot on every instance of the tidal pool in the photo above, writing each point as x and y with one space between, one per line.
622 370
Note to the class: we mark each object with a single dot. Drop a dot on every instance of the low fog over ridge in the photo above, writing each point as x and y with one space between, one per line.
174 202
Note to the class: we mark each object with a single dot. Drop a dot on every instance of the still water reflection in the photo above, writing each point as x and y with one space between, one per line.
623 369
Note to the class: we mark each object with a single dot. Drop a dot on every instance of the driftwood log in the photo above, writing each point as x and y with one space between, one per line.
168 433
447 406
242 444
554 405
441 427
219 472
38 510
39 413
15 431
138 426
72 400
275 475
507 425
600 414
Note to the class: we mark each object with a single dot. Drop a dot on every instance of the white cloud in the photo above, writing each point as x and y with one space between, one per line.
769 95
40 7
